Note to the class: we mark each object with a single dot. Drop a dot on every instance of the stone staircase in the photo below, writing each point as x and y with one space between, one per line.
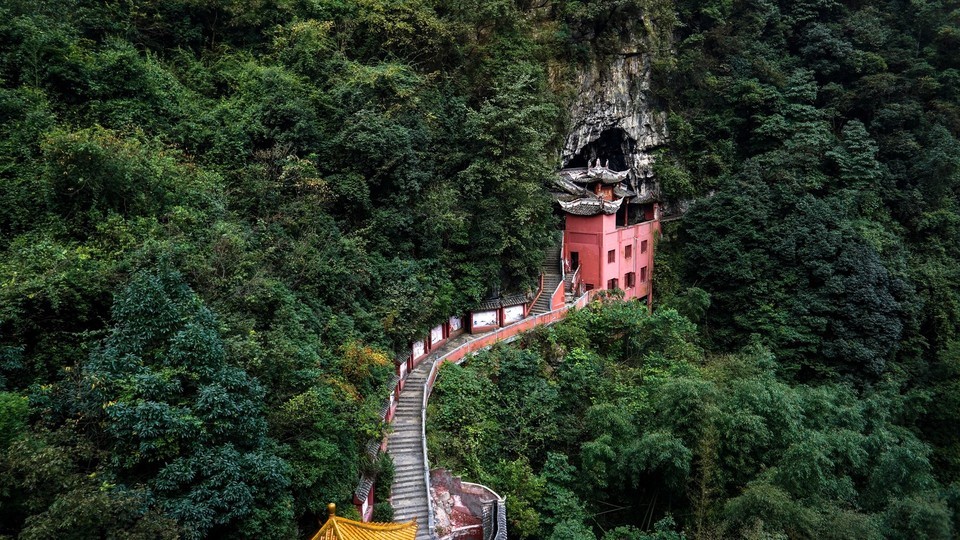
409 493
552 277
404 443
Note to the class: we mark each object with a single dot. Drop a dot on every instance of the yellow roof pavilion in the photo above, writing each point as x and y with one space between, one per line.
338 528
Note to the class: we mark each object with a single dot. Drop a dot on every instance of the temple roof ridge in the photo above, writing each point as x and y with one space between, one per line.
339 528
596 173
591 206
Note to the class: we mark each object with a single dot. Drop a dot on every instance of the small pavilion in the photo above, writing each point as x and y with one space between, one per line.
338 528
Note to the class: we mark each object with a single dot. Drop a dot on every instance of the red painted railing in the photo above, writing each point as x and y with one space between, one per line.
458 354
508 332
537 296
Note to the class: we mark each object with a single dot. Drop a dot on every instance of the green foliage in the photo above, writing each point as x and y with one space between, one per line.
823 140
572 529
176 416
93 172
662 530
13 417
692 303
766 507
919 516
943 413
42 475
386 473
527 490
736 449
676 183
817 294
382 512
332 179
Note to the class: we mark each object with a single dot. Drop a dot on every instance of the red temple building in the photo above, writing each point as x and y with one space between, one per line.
609 230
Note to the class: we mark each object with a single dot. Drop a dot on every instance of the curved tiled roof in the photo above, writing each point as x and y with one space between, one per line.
338 528
570 187
373 449
489 304
506 300
591 206
587 175
363 488
513 300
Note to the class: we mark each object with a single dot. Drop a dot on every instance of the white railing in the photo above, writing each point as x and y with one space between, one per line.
575 280
431 520
509 332
563 267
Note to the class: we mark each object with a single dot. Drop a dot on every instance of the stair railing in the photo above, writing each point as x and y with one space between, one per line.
427 389
558 295
536 296
458 355
563 269
575 281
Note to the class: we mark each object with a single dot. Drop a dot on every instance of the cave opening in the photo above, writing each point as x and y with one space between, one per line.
614 144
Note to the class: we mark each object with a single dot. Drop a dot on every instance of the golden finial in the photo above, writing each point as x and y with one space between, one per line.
331 509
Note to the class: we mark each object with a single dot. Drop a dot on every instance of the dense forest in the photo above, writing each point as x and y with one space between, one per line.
799 377
219 220
620 425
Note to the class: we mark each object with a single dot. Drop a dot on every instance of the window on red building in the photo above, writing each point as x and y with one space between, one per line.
643 275
627 252
613 284
643 246
612 256
630 278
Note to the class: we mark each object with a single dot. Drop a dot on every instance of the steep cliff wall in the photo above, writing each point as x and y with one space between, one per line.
611 117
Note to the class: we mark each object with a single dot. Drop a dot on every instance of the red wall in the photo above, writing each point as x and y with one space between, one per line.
559 297
594 236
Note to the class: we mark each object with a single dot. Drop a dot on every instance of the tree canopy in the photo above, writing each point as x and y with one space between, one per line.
220 220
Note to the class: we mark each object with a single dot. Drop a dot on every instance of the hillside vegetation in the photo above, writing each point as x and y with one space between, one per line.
619 425
799 377
821 139
219 219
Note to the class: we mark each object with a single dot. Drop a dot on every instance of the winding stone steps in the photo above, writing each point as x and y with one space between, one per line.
405 444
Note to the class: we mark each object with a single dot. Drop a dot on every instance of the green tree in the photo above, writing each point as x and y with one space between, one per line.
175 415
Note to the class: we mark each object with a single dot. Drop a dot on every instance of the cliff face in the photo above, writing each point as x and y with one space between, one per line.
612 119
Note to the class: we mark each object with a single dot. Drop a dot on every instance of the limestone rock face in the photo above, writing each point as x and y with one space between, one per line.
612 119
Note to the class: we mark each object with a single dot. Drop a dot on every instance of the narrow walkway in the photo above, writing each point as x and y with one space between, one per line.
552 277
405 445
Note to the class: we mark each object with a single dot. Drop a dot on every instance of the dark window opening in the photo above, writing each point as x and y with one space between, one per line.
623 215
643 246
627 252
612 256
630 278
613 284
